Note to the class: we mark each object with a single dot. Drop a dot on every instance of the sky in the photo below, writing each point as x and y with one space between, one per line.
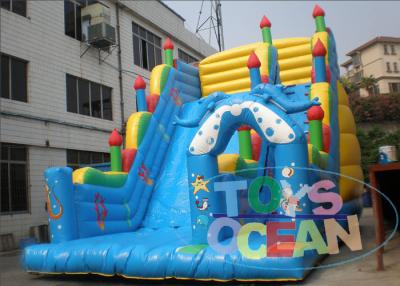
352 22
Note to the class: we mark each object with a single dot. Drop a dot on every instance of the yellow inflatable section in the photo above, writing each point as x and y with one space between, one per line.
350 157
227 71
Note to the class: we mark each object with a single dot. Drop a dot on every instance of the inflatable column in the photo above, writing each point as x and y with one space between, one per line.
290 160
140 87
265 26
168 52
115 142
273 67
318 54
60 204
319 14
315 115
245 146
204 201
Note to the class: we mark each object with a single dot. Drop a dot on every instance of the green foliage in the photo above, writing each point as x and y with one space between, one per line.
376 108
368 83
371 140
348 85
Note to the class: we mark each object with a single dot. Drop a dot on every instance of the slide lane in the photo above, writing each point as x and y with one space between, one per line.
127 206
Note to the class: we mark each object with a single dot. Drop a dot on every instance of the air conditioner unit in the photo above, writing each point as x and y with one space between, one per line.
101 35
96 28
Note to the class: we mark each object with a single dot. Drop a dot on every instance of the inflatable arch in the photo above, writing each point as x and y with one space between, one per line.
265 111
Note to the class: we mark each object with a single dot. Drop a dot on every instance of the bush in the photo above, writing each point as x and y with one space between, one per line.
376 108
370 142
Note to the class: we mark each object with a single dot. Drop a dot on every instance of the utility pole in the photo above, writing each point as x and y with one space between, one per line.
212 22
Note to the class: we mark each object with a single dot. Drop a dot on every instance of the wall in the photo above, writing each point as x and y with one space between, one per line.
39 38
374 63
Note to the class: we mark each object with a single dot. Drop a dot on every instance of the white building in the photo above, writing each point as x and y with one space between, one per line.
44 66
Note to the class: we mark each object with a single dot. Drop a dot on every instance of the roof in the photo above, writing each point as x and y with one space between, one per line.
379 39
347 63
172 10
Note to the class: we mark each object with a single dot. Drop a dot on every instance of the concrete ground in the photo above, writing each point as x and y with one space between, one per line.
361 272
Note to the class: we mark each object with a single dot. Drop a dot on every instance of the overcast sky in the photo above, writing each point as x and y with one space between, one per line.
352 22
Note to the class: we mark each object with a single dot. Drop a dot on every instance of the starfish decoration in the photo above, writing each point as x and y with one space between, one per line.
200 184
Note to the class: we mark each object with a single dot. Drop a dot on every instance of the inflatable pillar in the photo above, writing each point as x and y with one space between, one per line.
245 147
140 87
315 115
203 200
319 14
115 142
168 52
60 204
318 54
290 160
254 64
273 67
265 26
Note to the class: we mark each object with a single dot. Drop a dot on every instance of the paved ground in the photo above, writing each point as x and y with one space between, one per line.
361 272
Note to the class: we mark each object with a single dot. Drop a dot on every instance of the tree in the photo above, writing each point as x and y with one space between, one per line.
369 84
348 85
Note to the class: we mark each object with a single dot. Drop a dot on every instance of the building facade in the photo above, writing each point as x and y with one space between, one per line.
380 58
60 99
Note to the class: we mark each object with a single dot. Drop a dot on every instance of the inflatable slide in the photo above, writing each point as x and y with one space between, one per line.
215 153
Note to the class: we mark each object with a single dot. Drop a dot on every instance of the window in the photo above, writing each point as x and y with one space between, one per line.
146 48
388 69
393 49
13 78
395 69
14 178
16 6
374 89
88 98
385 48
72 17
356 60
394 87
77 159
356 78
186 57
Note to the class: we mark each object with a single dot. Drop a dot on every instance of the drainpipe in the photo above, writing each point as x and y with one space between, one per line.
121 92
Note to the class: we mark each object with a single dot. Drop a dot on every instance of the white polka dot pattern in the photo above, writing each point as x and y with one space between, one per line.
274 128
